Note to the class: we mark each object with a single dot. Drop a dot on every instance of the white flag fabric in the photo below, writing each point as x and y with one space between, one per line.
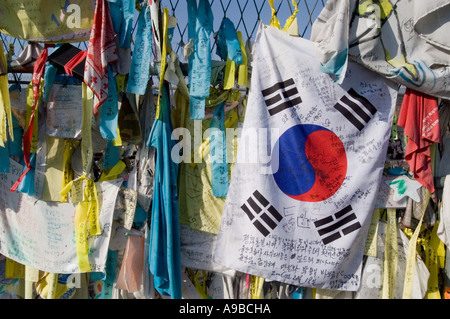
309 163
405 41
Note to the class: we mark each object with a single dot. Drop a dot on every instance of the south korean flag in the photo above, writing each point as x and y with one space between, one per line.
302 216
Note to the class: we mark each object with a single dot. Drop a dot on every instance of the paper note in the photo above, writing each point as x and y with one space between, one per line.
64 110
129 203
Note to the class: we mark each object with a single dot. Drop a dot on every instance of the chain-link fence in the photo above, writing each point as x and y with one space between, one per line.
245 14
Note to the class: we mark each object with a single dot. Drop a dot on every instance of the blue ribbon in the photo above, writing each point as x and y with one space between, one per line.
122 14
164 239
12 148
110 110
298 294
140 215
27 183
111 156
49 79
228 45
4 159
199 29
108 282
218 153
142 53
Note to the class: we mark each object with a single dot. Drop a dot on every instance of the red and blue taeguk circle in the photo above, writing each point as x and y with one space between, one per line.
312 163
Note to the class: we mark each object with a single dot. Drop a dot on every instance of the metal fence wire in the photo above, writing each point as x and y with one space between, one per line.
245 14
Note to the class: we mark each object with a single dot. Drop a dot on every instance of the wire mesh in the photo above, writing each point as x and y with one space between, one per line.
246 15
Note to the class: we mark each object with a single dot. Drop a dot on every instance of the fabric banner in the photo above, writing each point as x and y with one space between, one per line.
200 28
47 21
142 54
41 235
300 215
196 249
63 108
164 241
404 41
101 52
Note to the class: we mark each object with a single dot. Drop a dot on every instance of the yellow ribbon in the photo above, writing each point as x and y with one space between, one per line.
434 260
120 82
48 287
5 104
274 22
163 58
75 187
256 286
86 129
31 276
200 287
390 255
231 66
118 140
291 19
371 241
69 147
114 172
13 269
87 223
411 262
230 74
81 236
30 98
91 196
243 68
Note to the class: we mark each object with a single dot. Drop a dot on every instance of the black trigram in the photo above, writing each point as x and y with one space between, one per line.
356 108
337 225
281 96
263 215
